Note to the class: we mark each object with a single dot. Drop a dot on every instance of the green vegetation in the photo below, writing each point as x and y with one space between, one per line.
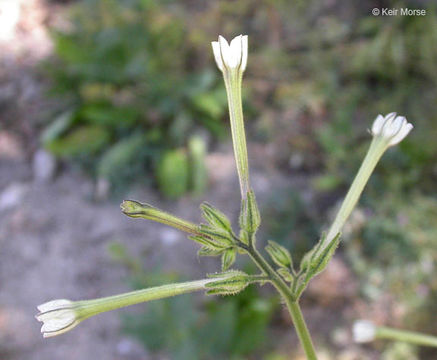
132 92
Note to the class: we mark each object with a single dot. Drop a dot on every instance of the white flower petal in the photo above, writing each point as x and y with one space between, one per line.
401 134
54 304
390 116
57 320
225 50
244 52
217 54
391 127
377 124
231 56
57 316
60 331
235 51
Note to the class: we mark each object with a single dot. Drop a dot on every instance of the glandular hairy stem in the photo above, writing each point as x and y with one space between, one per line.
376 150
290 300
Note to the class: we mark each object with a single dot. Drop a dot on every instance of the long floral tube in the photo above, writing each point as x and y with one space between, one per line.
60 316
387 131
231 59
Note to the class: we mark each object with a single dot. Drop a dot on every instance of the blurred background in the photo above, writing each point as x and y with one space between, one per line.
102 100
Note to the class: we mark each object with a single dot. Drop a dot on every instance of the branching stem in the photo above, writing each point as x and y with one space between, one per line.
290 300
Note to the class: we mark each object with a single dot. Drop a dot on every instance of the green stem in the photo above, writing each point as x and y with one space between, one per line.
301 328
376 150
233 80
290 300
88 308
406 336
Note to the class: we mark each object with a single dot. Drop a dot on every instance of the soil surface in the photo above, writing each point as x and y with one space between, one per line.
54 240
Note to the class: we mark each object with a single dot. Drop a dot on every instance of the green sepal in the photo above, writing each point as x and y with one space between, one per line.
250 218
249 215
316 260
215 217
285 274
231 283
207 251
244 237
228 258
219 235
209 243
279 254
322 257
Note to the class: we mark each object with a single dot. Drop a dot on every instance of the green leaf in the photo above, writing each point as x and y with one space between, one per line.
198 171
279 254
228 258
172 173
59 125
83 140
114 160
109 116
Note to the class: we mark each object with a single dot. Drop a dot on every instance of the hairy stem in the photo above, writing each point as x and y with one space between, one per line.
291 301
376 150
88 308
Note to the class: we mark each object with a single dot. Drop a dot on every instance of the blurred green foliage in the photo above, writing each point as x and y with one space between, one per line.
132 89
196 329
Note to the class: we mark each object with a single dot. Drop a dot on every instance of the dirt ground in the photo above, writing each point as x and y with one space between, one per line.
54 244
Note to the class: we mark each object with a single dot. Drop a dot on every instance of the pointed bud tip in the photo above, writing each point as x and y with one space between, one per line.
131 207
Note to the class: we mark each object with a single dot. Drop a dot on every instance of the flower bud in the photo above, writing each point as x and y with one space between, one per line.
391 127
231 56
57 316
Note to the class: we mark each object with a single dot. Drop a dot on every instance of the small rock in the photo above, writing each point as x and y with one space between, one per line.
44 166
12 196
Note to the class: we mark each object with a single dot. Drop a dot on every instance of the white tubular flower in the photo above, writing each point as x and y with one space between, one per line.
58 317
363 331
231 56
391 127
